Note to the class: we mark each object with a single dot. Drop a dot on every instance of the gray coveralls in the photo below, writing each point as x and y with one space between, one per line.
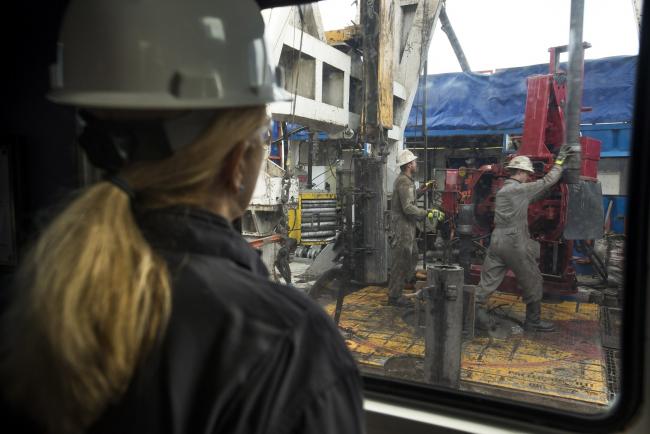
511 246
405 216
282 264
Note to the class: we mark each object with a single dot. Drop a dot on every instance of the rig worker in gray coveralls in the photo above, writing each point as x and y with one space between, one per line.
511 246
405 216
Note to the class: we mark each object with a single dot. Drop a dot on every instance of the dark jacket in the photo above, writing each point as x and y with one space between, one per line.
240 354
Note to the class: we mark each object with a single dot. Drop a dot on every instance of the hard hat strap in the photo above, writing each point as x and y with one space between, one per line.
185 129
110 144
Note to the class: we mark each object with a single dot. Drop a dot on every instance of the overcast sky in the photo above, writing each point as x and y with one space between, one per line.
506 33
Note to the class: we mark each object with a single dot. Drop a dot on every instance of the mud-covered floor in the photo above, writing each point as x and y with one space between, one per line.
569 365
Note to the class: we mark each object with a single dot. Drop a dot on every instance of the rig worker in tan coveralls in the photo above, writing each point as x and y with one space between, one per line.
511 246
405 216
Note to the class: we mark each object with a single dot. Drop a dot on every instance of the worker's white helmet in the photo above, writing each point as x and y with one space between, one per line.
522 163
163 54
404 157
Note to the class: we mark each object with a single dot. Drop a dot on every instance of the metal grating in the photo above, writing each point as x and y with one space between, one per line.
610 326
565 365
612 373
606 322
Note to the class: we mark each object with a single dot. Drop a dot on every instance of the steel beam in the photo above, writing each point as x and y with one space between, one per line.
453 40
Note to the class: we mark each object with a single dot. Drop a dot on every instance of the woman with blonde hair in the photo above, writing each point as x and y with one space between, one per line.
140 308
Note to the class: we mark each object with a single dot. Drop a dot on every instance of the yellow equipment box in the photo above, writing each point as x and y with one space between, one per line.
314 220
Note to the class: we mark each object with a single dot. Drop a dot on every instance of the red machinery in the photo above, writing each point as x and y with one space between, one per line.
469 193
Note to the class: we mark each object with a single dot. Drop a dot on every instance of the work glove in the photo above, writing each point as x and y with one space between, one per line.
565 153
427 186
435 214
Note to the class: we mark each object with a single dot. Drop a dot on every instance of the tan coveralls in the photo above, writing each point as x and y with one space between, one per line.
511 246
405 216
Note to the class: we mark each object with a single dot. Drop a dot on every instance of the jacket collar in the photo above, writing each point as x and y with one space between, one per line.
185 229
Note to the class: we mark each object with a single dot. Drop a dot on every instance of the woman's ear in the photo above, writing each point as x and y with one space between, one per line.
233 165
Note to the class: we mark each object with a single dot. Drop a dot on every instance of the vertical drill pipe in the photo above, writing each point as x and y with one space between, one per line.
310 160
574 87
285 142
453 40
340 295
444 325
426 159
464 225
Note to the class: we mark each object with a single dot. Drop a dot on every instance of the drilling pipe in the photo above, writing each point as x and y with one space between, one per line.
575 76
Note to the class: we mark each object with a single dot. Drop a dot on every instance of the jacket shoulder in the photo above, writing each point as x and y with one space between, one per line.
402 181
222 285
277 339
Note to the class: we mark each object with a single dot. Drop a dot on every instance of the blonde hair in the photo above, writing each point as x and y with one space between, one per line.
92 298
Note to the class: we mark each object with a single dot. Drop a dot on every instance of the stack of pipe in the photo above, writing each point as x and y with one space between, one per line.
318 220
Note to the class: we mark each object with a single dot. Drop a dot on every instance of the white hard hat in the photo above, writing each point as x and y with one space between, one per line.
163 54
522 163
404 157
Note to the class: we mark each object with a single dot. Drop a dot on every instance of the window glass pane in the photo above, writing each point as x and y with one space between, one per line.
420 189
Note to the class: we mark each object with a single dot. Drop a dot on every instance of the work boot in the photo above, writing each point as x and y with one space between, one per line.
482 318
533 321
400 301
410 284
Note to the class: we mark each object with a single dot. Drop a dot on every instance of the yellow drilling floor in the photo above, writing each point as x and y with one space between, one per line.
566 364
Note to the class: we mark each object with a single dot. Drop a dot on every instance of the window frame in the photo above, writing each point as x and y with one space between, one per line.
433 399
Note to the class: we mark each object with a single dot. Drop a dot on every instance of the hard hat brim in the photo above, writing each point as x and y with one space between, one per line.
520 168
160 101
410 160
280 94
407 161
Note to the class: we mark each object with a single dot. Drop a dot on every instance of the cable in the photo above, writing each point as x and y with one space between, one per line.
331 171
295 93
291 229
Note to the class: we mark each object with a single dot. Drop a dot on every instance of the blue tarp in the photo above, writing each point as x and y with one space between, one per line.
470 101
